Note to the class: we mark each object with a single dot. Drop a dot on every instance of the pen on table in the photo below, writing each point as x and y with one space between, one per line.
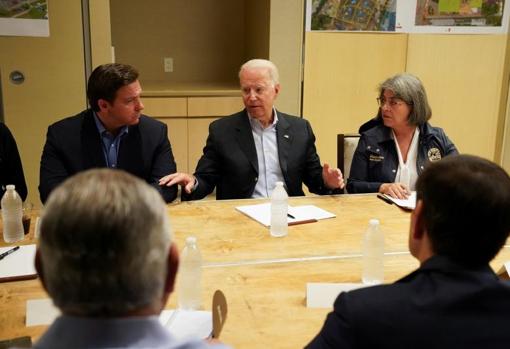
5 254
384 198
290 216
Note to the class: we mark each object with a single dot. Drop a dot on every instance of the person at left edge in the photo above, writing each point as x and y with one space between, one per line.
11 169
112 133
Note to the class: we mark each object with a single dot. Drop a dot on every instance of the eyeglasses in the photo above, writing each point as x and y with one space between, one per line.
392 102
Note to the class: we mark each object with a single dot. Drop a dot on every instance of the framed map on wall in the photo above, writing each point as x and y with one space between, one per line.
414 16
24 18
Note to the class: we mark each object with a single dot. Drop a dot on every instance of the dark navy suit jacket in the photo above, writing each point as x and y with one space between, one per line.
229 161
440 305
74 144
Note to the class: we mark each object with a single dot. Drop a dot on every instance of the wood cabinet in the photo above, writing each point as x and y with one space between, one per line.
188 120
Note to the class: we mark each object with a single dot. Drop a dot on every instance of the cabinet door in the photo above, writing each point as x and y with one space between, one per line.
214 106
178 135
165 106
198 132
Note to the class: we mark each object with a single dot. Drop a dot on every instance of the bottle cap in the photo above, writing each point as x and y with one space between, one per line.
10 187
191 240
373 221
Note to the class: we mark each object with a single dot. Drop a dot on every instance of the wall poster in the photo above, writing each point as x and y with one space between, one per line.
24 18
412 16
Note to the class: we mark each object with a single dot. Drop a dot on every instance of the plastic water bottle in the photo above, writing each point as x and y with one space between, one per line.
279 211
373 254
190 276
12 215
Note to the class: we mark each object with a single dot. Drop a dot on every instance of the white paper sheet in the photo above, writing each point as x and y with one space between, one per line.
183 323
262 213
187 323
323 295
409 203
40 312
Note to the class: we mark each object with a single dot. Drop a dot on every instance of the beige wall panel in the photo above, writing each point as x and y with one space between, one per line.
205 38
285 50
165 107
342 72
257 14
198 132
463 75
100 32
54 85
178 136
214 106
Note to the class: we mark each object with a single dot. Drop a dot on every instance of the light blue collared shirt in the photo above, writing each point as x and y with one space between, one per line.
111 143
266 145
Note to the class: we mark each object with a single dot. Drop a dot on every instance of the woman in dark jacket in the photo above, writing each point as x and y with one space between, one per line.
391 154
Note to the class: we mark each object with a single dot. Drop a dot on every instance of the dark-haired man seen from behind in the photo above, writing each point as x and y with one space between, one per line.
113 133
107 260
454 299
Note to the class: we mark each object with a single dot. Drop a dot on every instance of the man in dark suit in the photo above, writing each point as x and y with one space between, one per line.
454 299
248 152
11 169
113 133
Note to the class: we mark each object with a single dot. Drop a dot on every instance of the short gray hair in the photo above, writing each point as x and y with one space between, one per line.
104 245
262 64
410 89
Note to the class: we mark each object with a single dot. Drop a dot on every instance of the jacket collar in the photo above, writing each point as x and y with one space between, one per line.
245 139
130 152
382 133
443 264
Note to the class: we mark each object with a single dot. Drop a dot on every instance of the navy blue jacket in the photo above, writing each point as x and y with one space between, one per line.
440 305
74 145
230 164
11 170
375 160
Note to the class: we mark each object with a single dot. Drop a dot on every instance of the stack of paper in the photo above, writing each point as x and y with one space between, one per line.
297 214
407 204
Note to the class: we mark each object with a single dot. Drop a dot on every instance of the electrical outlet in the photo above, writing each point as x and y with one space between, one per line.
168 64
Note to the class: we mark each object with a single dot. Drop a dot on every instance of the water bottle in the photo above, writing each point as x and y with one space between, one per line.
12 215
190 276
279 210
373 254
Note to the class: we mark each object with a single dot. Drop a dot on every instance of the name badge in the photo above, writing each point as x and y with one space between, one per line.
376 158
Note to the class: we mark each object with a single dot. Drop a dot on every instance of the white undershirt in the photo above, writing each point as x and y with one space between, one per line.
407 173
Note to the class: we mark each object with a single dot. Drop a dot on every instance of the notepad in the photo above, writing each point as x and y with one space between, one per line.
306 213
18 265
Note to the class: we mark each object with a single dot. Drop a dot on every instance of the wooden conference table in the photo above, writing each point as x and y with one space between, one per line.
263 278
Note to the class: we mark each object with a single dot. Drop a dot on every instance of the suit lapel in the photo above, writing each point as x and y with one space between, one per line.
245 140
130 152
284 138
92 149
